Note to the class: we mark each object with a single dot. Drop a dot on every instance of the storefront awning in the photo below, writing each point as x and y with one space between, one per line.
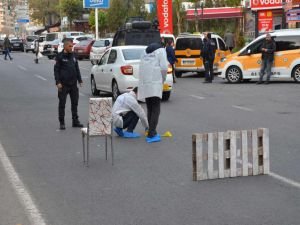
215 13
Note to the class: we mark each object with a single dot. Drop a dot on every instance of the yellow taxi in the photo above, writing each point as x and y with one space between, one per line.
245 64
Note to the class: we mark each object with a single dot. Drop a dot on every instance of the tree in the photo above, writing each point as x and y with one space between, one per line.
44 11
102 20
179 14
116 14
136 8
73 9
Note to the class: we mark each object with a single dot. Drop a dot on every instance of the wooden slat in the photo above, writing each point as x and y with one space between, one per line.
245 153
233 154
254 152
221 154
210 152
266 152
199 156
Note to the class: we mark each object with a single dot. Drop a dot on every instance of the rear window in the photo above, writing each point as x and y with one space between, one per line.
132 54
99 43
51 37
31 38
84 43
191 43
142 38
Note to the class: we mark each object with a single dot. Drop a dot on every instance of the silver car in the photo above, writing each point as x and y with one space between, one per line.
98 49
29 43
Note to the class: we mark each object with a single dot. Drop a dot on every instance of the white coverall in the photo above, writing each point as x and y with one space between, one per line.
125 103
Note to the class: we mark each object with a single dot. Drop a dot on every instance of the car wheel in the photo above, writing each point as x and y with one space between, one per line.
178 74
115 90
234 74
166 95
296 73
94 89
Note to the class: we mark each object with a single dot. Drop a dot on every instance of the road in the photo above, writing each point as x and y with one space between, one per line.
149 184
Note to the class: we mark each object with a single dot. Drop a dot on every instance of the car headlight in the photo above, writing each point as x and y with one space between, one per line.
223 59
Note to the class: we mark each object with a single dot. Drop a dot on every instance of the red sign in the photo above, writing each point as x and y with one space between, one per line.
267 4
164 15
265 21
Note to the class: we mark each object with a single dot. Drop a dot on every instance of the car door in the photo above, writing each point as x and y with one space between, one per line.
99 73
109 69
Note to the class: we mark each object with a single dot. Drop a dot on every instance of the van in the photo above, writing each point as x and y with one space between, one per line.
168 37
187 52
245 64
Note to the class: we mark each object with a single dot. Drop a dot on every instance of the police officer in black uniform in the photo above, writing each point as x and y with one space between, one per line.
67 74
208 56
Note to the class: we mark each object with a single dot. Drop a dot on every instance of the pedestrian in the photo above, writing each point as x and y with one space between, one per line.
152 74
126 113
208 56
229 40
171 56
6 46
267 58
67 74
37 50
163 43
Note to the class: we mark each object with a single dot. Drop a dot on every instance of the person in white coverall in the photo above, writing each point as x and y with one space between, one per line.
126 113
152 74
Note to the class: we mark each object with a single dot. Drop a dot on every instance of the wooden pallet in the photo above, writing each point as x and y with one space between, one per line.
230 154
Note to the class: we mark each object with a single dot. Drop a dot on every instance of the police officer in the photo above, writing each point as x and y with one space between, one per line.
208 56
67 74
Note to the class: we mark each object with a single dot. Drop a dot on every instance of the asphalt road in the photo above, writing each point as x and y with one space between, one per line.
150 184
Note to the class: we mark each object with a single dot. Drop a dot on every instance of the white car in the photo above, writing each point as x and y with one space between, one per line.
118 69
98 49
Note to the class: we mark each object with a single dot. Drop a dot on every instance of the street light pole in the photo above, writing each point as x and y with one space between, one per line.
196 17
202 6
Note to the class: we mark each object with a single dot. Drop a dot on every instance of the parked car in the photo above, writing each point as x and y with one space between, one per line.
83 48
77 39
1 46
17 44
118 72
29 43
98 49
51 49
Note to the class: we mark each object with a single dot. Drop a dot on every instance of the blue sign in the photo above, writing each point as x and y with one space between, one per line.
293 15
22 20
104 4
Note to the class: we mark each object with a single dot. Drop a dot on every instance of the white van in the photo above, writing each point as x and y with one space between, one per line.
167 37
245 64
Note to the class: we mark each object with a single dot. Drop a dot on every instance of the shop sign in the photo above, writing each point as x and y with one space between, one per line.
267 4
293 15
265 21
164 14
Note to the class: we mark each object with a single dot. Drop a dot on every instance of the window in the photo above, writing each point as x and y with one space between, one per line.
254 48
191 43
222 45
287 43
99 43
214 40
112 57
104 58
132 54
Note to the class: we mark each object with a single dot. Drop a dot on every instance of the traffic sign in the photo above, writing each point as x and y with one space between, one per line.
23 20
104 4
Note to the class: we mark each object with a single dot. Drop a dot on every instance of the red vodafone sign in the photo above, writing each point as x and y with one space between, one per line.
266 4
164 15
265 21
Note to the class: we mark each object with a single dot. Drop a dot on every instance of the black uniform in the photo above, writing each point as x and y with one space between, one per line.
208 55
66 72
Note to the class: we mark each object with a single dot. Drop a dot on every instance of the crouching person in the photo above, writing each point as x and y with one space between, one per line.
126 113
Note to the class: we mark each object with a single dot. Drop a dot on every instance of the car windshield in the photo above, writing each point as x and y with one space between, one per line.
51 37
100 43
15 40
31 38
132 54
84 43
191 43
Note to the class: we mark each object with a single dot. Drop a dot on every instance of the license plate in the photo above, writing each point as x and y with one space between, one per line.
80 51
16 44
188 62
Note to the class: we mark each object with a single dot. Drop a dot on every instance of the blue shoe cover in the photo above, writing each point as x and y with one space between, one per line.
156 138
131 134
119 131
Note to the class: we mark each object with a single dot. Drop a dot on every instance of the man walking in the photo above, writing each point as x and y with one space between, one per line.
208 57
229 40
7 46
171 57
126 113
267 58
152 74
67 74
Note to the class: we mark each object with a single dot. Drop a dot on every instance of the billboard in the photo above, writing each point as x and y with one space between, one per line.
103 4
267 4
164 16
265 21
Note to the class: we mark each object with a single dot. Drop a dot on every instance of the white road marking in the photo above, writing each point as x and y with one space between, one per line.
22 68
38 76
85 77
85 68
81 94
24 196
242 108
285 180
197 97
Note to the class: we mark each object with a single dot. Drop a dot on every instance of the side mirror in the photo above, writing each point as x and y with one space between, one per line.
107 43
249 52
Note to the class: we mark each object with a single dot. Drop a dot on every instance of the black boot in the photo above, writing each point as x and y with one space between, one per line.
76 123
62 126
